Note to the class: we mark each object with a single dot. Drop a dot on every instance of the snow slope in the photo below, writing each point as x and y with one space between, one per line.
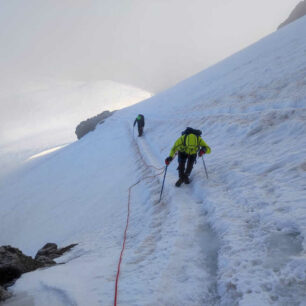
237 238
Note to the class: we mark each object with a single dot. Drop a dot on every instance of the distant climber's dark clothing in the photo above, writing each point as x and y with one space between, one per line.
140 120
140 124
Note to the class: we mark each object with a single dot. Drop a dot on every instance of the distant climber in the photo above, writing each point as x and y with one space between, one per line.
140 123
188 145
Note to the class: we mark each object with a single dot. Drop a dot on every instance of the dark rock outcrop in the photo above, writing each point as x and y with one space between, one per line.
298 12
50 251
90 124
13 263
4 294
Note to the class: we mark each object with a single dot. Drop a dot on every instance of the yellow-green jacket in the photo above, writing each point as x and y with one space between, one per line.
193 144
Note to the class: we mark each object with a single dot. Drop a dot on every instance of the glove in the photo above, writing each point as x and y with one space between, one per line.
168 160
202 151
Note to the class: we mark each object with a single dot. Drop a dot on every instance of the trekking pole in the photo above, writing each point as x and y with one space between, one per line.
163 184
205 167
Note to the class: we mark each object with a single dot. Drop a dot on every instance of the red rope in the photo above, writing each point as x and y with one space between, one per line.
123 247
125 231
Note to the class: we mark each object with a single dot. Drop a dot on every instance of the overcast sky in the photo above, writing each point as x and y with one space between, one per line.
151 44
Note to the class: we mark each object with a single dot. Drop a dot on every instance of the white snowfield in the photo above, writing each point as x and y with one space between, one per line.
236 238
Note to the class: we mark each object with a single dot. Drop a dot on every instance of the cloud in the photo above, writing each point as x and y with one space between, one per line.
149 44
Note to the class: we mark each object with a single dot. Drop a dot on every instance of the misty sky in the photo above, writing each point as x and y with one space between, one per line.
151 44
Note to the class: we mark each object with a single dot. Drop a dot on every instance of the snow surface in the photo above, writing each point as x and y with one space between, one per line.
236 238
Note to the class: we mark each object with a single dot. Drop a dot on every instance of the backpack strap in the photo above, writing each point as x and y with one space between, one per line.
185 140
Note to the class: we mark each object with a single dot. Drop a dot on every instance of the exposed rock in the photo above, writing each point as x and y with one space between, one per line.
13 263
50 251
45 261
9 274
298 12
4 294
90 124
63 250
47 250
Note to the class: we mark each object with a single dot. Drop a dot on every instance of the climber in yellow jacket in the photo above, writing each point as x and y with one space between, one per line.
188 145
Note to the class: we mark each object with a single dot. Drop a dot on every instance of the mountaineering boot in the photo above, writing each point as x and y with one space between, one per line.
186 179
179 182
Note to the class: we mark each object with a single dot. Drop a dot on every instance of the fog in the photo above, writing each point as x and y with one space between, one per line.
57 55
148 44
47 105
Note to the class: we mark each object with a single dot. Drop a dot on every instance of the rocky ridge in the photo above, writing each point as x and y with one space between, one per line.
13 263
298 12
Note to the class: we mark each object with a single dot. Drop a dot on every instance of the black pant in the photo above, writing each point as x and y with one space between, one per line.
140 129
182 157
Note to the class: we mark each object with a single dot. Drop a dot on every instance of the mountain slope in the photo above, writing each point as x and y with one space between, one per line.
237 238
298 12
